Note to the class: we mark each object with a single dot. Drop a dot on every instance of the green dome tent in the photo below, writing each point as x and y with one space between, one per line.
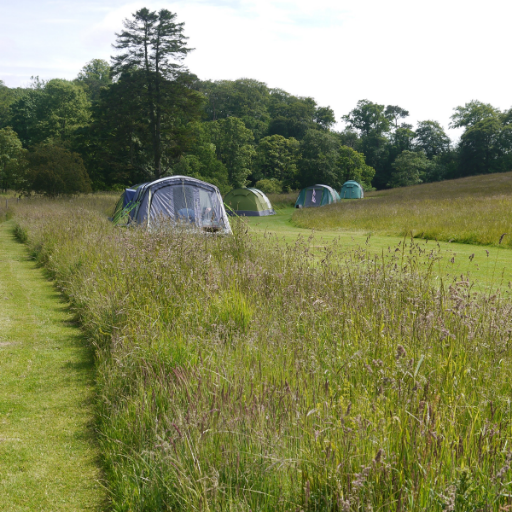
316 195
351 190
249 202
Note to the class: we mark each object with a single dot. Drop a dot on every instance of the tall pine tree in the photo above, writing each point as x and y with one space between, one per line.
155 44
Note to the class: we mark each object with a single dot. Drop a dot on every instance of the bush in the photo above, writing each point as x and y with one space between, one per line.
271 186
54 170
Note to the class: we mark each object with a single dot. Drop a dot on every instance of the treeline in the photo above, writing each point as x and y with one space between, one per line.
144 115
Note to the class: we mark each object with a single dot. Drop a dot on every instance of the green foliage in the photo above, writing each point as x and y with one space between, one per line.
472 113
50 112
431 138
11 160
200 160
372 123
293 116
353 167
53 171
233 143
152 47
369 118
269 186
245 98
408 169
324 161
93 76
319 160
276 158
485 147
394 113
7 97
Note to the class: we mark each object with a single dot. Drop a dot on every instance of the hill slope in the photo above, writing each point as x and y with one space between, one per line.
476 210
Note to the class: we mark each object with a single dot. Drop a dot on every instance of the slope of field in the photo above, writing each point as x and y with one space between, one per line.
488 268
244 373
48 460
476 210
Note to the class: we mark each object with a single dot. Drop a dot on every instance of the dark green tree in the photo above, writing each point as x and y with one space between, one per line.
431 138
320 160
486 144
485 147
53 171
11 159
293 116
471 113
370 120
7 97
352 166
245 98
200 160
409 169
234 148
394 113
93 76
154 45
51 110
276 158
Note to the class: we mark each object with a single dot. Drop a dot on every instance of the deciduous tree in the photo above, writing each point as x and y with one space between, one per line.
431 138
54 170
233 143
408 169
276 158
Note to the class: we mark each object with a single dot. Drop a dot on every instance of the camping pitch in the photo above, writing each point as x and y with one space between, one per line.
351 190
178 200
317 195
249 202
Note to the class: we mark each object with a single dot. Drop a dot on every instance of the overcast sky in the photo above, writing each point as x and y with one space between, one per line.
426 56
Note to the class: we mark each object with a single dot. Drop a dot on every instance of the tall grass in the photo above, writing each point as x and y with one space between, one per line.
476 210
284 200
238 374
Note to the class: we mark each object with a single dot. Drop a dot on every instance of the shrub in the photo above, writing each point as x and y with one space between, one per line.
53 170
271 186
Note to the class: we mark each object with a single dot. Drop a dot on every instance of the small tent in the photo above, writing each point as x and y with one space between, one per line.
316 195
179 200
249 202
124 206
351 190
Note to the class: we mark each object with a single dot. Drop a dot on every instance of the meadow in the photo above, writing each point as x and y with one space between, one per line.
254 373
475 210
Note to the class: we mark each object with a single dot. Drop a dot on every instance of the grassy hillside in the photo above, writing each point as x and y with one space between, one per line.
476 210
242 373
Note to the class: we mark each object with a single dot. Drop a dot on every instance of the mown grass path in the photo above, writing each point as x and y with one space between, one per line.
48 459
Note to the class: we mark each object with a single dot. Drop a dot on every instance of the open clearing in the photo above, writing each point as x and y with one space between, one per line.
48 459
488 267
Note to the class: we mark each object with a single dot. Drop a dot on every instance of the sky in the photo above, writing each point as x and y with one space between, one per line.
428 57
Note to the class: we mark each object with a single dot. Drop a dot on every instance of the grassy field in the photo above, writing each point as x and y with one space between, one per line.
247 373
48 457
486 267
476 210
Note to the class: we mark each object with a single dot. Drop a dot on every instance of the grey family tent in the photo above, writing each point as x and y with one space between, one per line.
316 195
249 202
178 200
351 190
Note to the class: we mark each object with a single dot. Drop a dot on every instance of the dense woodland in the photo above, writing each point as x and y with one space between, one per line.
144 115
